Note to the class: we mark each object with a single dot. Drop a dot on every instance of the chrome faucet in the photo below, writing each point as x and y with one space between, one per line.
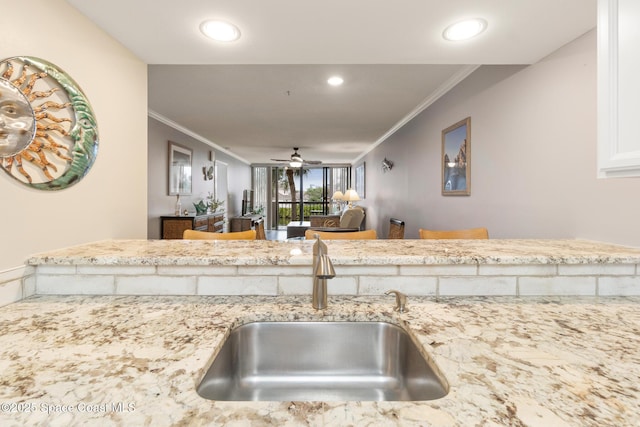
322 270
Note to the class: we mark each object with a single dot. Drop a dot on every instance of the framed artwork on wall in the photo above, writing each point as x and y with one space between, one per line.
360 184
456 159
179 170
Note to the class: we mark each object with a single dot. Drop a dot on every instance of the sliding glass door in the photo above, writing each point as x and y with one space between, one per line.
294 194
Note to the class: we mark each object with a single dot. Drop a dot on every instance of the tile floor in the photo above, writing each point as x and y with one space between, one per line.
276 234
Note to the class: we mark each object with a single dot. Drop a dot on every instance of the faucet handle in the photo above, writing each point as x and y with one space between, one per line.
401 300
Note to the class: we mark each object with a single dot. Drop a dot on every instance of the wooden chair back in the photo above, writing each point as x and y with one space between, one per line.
339 235
396 229
205 235
260 234
470 233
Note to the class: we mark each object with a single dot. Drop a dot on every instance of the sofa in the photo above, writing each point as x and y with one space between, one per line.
349 218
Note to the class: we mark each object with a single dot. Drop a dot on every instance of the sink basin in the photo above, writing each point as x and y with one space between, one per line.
321 361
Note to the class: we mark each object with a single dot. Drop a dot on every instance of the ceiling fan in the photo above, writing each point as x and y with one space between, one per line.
297 161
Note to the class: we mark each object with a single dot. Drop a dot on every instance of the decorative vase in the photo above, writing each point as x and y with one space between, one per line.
201 208
178 206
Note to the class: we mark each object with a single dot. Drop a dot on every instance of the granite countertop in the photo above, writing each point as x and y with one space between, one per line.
343 252
109 360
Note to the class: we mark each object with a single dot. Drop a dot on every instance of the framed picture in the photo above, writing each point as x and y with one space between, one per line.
456 159
180 159
360 187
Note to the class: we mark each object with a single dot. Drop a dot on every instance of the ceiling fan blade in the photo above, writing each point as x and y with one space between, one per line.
296 157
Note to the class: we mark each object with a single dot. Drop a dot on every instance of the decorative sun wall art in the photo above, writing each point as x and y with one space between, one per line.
48 131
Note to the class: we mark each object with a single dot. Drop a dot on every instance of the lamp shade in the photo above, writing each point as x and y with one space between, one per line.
337 195
351 195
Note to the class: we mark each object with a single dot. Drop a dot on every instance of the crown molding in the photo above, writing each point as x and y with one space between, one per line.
162 119
441 90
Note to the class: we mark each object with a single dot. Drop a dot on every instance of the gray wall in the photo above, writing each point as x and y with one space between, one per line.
533 158
160 203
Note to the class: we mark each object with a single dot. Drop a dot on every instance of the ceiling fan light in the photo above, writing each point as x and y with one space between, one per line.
295 164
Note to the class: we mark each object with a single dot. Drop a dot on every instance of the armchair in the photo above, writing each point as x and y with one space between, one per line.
352 218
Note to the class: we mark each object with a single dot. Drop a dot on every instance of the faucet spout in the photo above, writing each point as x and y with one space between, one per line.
322 270
401 300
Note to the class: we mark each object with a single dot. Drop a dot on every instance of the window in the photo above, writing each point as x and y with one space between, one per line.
272 192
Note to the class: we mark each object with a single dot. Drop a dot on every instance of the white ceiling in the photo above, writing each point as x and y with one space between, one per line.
262 95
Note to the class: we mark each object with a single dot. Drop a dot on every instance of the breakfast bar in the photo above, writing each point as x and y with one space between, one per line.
532 333
416 267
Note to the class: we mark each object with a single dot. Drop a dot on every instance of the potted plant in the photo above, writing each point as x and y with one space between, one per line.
213 204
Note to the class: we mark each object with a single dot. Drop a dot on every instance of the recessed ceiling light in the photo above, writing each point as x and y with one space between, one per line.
335 81
465 30
220 31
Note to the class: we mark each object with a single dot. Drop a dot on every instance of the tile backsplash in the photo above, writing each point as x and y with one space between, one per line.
451 280
16 284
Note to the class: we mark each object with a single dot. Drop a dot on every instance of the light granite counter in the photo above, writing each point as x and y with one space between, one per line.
136 360
343 252
144 319
364 267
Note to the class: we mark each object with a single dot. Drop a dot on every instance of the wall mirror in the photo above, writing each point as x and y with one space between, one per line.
17 120
180 162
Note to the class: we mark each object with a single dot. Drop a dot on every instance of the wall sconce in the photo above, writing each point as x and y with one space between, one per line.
387 165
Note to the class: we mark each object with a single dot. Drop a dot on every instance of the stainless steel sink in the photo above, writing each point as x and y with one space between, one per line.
321 361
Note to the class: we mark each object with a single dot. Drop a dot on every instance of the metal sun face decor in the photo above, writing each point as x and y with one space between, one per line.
48 131
456 159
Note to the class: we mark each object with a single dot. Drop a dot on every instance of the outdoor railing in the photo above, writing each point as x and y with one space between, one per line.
309 208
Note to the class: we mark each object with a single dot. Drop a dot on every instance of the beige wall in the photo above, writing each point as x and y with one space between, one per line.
111 201
533 154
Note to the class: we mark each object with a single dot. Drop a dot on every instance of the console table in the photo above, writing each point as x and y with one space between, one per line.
297 228
172 226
